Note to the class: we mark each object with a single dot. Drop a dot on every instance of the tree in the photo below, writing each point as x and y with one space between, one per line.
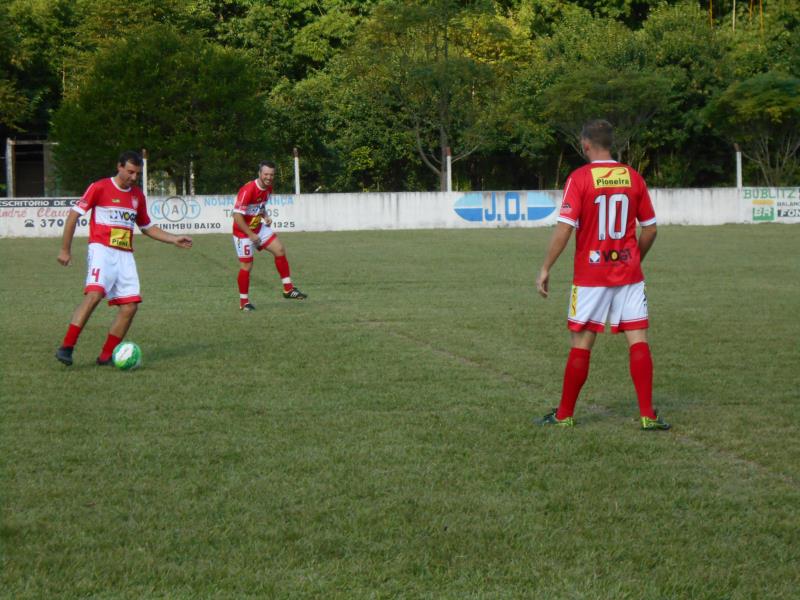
185 99
762 115
433 66
628 98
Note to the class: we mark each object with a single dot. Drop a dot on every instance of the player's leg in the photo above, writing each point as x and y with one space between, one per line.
126 295
576 371
244 251
641 368
629 314
119 327
586 315
99 273
274 246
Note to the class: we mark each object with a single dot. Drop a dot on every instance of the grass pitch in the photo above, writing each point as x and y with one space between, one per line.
375 441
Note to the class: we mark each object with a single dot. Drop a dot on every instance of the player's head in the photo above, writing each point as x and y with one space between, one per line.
129 166
598 133
130 156
266 173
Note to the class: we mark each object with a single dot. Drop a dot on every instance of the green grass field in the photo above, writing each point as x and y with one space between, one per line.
376 441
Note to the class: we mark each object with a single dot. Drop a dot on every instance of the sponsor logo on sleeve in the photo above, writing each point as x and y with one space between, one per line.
611 177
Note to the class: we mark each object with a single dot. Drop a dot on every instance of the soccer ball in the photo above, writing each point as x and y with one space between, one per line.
127 356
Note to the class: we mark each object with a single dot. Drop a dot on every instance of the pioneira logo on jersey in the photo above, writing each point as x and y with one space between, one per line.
605 177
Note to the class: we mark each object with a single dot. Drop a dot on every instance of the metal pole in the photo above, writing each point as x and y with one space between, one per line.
738 167
9 167
191 178
449 170
296 172
144 172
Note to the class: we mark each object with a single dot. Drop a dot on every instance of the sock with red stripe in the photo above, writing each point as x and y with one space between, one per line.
641 363
108 347
283 270
73 331
575 374
244 286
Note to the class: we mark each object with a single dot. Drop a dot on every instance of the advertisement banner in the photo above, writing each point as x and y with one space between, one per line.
771 205
37 217
44 217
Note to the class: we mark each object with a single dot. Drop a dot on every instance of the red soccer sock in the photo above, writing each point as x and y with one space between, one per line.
283 270
641 363
244 286
72 336
108 347
575 374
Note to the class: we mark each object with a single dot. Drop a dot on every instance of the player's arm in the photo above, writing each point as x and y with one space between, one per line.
265 216
65 255
238 218
558 242
155 232
646 238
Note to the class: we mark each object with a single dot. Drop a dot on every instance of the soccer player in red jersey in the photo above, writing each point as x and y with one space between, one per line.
116 205
252 232
602 202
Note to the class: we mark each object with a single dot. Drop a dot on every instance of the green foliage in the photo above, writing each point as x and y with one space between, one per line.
374 91
185 100
762 114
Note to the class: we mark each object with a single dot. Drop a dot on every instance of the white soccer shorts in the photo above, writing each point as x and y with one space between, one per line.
624 307
245 249
112 272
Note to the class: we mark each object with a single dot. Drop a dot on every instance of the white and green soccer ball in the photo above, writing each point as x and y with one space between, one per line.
127 356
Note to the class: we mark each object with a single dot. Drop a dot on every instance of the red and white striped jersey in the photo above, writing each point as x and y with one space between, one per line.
603 200
250 202
114 213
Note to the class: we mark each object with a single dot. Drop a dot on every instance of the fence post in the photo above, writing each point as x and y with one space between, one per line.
9 167
449 170
144 173
296 172
738 166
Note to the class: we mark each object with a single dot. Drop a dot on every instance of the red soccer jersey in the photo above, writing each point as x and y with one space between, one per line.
603 200
114 212
250 201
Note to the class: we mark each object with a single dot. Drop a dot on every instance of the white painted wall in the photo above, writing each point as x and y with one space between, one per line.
44 217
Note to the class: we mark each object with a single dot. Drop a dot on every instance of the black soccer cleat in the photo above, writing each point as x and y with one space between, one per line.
247 307
64 355
295 294
103 363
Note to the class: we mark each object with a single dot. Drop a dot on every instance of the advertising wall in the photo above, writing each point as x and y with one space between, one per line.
44 217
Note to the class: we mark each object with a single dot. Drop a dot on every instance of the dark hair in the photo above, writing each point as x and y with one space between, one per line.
129 156
265 163
599 132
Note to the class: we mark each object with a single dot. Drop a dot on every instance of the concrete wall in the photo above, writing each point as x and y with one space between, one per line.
44 217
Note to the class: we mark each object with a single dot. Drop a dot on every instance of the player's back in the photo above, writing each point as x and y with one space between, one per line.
604 200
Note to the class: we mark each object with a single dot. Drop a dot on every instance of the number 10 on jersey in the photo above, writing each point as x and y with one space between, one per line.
612 216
